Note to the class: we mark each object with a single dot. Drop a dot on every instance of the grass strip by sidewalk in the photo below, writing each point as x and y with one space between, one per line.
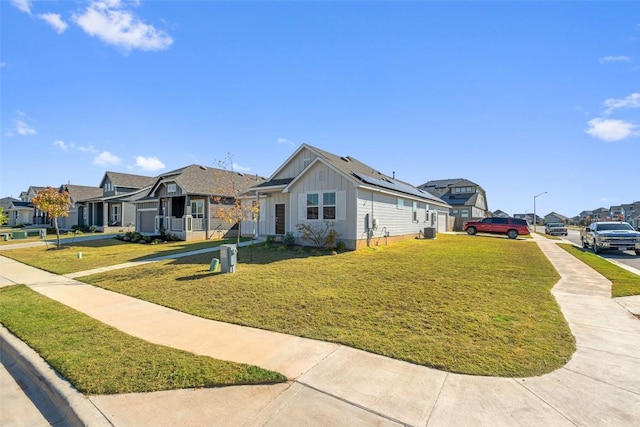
625 283
469 304
98 359
99 253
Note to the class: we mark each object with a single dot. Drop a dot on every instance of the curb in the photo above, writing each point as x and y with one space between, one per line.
70 406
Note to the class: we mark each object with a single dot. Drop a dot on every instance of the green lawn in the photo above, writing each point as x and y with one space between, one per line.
98 359
475 305
99 253
624 282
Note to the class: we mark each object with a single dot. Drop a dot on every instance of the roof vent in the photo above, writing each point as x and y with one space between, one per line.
346 159
204 168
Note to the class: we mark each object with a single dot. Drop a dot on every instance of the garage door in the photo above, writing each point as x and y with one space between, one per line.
147 221
443 218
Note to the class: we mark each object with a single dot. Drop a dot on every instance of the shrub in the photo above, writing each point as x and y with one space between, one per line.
340 246
289 240
321 236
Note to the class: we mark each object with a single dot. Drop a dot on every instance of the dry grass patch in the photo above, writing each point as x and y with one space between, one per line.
463 304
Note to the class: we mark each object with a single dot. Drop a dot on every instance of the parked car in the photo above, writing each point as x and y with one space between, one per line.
512 227
601 236
555 229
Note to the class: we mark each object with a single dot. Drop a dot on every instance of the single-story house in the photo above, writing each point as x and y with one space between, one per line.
364 206
114 210
555 217
185 202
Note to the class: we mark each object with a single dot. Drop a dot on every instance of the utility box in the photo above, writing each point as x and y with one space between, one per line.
228 258
429 233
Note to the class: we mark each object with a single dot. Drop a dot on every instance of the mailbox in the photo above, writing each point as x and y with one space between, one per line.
228 258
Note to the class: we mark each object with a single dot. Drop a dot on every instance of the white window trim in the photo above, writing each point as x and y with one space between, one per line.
341 205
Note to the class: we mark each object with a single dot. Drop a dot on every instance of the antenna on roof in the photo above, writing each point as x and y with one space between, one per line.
394 175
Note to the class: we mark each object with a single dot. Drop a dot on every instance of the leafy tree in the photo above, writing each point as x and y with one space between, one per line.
55 204
4 218
230 186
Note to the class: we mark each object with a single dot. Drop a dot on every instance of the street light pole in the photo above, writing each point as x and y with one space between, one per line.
535 217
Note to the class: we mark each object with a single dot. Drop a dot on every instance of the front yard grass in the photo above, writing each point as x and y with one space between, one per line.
471 305
98 359
624 283
99 253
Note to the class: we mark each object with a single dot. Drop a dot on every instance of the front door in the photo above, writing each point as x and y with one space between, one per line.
280 223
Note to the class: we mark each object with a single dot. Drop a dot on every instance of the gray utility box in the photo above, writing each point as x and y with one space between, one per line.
228 258
429 233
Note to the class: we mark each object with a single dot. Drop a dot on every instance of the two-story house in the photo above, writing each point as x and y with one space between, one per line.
468 200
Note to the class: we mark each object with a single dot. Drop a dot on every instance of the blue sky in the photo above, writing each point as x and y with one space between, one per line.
519 97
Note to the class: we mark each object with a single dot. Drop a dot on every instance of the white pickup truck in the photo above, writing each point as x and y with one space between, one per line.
602 236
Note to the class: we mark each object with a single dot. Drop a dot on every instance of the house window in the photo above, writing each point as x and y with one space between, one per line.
171 188
464 213
197 208
107 186
312 206
329 206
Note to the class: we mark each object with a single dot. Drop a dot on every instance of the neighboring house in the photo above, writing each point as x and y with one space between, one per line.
468 200
20 213
23 213
115 210
364 206
635 222
630 211
77 210
184 202
555 217
500 214
5 204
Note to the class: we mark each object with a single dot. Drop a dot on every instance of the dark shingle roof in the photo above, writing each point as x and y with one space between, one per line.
79 193
128 180
203 180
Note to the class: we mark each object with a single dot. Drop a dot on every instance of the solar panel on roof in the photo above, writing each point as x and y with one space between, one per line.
394 185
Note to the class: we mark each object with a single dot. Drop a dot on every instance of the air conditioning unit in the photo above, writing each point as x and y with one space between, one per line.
429 233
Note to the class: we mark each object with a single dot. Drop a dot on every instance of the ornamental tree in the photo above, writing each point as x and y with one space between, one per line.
55 204
229 187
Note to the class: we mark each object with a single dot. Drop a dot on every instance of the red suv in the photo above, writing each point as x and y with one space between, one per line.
512 227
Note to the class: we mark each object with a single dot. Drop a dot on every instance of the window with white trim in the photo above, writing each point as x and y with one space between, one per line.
171 188
197 208
312 206
328 205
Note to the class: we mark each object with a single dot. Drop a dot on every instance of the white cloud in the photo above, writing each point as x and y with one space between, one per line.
63 145
89 149
619 58
610 129
106 158
22 5
55 21
285 141
21 126
629 101
112 23
149 163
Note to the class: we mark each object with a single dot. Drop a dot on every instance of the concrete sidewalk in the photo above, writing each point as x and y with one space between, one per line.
337 385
